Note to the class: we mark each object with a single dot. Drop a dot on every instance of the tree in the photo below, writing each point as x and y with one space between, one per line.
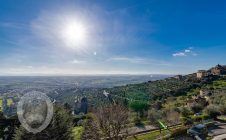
68 107
139 107
185 112
172 117
91 130
213 111
196 108
154 116
223 109
112 121
186 116
60 128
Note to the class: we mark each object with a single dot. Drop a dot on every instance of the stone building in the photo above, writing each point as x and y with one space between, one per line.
218 70
178 77
201 73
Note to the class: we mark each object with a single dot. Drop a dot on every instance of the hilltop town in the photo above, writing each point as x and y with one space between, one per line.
217 70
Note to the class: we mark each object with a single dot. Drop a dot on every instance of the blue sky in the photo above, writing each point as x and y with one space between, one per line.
112 36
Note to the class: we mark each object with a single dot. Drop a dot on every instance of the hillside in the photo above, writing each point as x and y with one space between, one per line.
146 92
185 100
173 86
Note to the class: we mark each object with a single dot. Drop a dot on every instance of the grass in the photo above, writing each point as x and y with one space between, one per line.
9 102
153 134
77 131
220 83
150 135
217 84
222 118
147 136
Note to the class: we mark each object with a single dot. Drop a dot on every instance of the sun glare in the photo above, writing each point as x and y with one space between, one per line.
74 34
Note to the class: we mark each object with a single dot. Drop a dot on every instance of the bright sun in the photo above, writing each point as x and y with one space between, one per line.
74 34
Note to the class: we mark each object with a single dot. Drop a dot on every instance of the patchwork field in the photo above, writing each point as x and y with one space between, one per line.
9 102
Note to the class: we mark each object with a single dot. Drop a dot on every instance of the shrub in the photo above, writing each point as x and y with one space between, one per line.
205 117
61 127
185 112
196 108
179 131
90 129
213 111
138 122
197 118
200 118
187 120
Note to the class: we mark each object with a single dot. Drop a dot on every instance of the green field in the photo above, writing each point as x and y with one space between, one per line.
218 84
9 102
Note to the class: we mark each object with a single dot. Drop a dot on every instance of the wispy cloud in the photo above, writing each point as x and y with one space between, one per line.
179 54
14 25
129 7
127 59
186 52
138 60
75 61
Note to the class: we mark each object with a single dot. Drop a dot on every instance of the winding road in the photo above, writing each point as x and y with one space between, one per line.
220 137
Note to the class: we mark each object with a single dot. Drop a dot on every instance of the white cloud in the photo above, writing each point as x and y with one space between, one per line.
75 61
179 54
187 50
29 67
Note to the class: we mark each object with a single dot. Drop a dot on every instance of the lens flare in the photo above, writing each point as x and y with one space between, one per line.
74 34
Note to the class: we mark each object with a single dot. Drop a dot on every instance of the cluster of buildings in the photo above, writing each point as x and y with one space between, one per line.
217 70
202 98
204 95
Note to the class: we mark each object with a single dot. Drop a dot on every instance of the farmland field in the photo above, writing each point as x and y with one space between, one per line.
9 102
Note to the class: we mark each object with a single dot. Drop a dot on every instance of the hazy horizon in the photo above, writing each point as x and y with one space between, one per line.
62 75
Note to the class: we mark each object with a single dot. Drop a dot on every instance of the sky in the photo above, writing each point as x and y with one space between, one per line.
55 37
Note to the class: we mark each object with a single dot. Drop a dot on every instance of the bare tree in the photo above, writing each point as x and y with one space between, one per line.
172 117
155 115
112 121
